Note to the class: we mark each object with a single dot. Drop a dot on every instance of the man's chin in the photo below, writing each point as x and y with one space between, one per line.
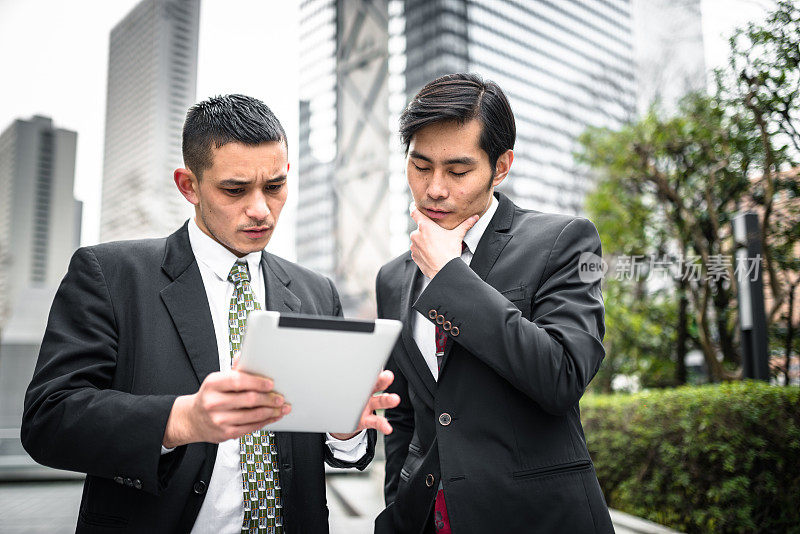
448 223
254 246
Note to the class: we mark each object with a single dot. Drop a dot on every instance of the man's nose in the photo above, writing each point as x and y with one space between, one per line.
437 187
257 208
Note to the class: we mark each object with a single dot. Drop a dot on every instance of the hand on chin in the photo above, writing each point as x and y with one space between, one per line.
433 244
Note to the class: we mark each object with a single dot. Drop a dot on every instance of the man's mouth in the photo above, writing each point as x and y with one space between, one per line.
435 214
256 231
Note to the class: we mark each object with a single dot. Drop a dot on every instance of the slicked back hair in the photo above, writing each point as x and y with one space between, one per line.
460 98
225 119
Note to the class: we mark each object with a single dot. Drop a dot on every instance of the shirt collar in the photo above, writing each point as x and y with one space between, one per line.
216 257
474 234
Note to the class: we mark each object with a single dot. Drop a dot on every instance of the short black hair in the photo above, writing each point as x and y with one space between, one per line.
225 119
462 97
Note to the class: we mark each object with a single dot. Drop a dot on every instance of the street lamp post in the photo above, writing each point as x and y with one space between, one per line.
752 318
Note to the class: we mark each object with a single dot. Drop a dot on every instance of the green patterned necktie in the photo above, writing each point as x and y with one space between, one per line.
259 453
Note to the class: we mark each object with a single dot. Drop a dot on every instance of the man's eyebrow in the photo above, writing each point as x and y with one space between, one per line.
463 160
234 182
417 155
238 182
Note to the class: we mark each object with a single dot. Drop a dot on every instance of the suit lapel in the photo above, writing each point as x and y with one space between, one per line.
186 301
276 281
494 240
414 361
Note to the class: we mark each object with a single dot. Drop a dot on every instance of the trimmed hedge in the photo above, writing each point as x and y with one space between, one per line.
718 458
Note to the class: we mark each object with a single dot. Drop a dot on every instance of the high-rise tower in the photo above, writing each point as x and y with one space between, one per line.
152 78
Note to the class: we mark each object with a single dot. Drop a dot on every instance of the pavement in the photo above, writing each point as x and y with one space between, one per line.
354 499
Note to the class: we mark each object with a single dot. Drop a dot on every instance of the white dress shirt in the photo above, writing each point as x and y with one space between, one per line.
423 329
223 507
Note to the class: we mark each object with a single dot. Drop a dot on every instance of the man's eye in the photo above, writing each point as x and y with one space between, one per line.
275 187
421 169
454 173
235 191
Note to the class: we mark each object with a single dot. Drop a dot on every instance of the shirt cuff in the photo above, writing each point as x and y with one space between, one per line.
165 450
348 450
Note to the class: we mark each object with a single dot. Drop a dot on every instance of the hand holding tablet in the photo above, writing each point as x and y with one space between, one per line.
325 368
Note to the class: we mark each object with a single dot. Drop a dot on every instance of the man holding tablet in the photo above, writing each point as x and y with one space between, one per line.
136 382
502 334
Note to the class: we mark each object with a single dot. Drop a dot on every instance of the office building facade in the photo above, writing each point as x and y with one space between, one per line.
40 227
152 79
343 194
563 65
40 220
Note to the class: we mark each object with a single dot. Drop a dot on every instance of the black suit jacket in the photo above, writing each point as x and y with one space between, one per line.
501 428
129 330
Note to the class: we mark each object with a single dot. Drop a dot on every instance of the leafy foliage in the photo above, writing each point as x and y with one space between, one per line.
716 458
672 184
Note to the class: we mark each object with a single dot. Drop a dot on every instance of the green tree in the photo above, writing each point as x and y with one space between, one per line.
672 184
685 174
763 82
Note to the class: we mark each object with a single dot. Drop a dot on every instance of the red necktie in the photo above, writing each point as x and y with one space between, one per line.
441 521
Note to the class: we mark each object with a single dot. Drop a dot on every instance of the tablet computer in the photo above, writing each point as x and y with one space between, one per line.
325 367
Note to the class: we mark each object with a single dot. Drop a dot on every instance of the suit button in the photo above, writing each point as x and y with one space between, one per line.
445 419
440 319
429 480
199 487
432 314
119 480
454 331
137 484
128 482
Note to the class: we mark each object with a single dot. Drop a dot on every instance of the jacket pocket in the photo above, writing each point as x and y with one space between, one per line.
102 520
103 502
558 469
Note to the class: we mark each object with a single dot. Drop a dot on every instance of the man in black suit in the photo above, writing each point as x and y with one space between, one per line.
502 334
136 383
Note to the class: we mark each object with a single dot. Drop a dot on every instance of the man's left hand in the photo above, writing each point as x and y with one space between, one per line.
433 246
376 402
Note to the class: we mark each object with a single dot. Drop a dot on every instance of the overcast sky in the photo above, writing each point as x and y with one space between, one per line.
54 58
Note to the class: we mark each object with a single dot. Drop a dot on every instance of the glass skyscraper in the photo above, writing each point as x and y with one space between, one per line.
152 78
564 65
40 220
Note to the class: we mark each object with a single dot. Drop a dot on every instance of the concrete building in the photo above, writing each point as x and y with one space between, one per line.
342 215
152 78
564 66
40 227
40 220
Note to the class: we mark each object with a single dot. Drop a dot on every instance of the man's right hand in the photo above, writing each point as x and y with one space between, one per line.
228 405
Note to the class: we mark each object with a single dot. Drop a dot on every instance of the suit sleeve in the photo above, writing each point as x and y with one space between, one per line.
371 434
400 417
73 419
551 358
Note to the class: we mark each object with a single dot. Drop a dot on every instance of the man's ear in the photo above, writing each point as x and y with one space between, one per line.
503 166
187 184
